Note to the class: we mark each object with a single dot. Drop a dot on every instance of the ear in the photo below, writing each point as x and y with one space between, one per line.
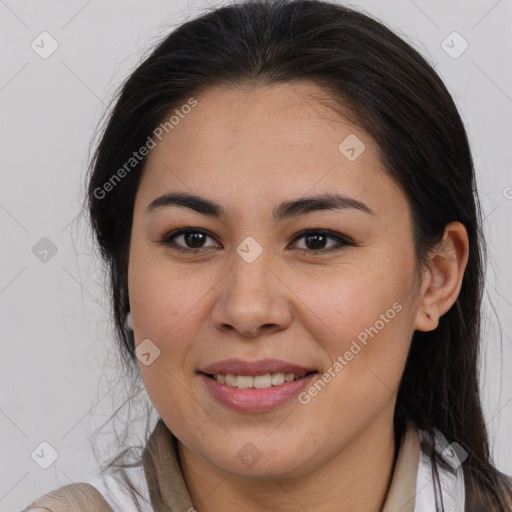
442 279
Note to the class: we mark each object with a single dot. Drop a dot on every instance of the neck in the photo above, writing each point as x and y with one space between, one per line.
356 478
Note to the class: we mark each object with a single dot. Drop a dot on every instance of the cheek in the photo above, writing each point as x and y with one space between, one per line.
337 305
164 298
164 307
361 315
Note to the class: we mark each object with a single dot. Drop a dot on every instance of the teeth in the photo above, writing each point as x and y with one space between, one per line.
259 382
244 381
263 381
231 380
277 379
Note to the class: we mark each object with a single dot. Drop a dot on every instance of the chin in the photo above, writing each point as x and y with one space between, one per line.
261 464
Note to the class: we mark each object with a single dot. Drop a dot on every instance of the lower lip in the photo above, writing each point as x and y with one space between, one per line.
255 400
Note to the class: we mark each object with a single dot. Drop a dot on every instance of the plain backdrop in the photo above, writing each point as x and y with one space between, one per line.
57 363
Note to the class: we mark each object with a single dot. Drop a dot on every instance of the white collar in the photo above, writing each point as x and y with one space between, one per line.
451 476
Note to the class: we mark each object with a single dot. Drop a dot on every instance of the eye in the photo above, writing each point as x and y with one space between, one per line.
193 236
316 239
194 239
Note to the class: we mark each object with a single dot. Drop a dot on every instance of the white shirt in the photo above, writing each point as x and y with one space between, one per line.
452 485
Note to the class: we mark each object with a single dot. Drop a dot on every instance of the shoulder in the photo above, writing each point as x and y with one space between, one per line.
124 490
79 496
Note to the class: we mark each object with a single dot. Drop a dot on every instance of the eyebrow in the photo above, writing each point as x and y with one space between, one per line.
284 211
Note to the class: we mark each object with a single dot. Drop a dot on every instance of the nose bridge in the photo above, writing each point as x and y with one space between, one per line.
251 293
250 265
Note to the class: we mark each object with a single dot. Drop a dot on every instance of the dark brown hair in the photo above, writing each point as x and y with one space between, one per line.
396 96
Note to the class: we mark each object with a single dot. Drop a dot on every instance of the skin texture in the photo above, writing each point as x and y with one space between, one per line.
249 150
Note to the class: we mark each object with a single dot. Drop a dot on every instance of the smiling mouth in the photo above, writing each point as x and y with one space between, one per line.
257 382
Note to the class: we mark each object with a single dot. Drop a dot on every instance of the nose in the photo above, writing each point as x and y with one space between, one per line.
253 299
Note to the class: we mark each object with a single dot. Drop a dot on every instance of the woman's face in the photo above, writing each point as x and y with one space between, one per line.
257 288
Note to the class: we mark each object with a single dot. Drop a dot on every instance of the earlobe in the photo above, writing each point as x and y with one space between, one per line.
442 280
128 321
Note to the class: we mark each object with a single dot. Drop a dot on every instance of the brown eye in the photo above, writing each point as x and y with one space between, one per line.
316 239
192 240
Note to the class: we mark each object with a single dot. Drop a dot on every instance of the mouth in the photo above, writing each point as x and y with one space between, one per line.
260 393
265 381
255 386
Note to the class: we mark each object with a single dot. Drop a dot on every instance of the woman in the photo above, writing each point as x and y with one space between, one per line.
316 346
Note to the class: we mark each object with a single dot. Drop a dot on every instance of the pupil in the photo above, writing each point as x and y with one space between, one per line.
193 236
317 237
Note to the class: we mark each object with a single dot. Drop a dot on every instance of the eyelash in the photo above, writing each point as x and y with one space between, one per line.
343 241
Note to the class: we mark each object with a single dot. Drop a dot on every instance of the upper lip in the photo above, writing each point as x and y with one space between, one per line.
253 368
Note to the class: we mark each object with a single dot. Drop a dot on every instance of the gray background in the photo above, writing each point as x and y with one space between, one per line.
58 364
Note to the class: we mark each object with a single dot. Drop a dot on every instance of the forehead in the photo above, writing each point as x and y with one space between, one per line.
271 141
290 117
